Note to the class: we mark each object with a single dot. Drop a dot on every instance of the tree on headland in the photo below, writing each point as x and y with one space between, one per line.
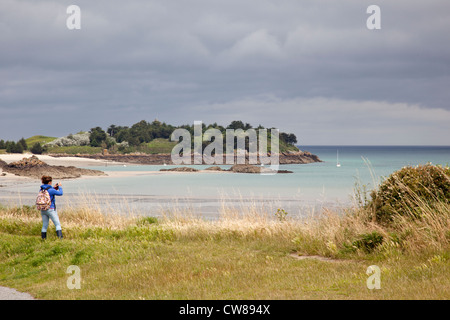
237 124
12 147
37 148
289 138
23 143
139 136
112 130
97 136
2 144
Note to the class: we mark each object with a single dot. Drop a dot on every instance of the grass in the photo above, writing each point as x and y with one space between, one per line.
39 138
160 146
75 150
238 256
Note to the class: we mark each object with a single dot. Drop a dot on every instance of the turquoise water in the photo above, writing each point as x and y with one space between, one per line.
310 185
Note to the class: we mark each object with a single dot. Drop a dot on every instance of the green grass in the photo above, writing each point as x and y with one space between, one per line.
160 146
155 146
247 257
75 150
284 147
39 138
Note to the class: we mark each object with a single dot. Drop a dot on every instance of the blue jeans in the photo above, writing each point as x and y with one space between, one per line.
50 214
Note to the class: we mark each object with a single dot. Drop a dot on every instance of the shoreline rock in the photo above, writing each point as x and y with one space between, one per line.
249 168
181 169
34 168
300 157
237 168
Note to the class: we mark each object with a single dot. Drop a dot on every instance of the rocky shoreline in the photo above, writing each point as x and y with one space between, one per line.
34 168
237 168
300 157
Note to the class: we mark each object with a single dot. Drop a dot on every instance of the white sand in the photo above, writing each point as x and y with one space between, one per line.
62 161
81 162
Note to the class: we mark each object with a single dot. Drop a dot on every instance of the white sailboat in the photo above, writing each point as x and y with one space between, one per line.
337 159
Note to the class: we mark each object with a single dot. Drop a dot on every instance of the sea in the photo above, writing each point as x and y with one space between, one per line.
307 190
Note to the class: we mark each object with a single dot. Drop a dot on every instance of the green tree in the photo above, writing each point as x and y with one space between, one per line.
23 143
36 148
236 124
2 144
113 130
289 138
12 147
97 136
292 139
122 135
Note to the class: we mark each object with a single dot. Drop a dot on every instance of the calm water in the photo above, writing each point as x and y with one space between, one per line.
309 186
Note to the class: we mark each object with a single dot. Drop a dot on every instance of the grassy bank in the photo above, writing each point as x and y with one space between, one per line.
39 139
240 256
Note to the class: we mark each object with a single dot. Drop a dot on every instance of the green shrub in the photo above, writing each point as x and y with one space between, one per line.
146 220
37 148
367 242
281 214
410 190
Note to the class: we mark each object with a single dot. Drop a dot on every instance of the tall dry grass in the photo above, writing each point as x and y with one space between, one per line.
328 233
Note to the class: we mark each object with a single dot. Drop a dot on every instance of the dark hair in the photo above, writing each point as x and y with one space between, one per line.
46 179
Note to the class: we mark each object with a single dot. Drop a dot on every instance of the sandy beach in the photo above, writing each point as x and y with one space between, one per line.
9 178
59 161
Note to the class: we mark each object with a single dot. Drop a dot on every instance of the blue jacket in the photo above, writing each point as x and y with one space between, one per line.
53 192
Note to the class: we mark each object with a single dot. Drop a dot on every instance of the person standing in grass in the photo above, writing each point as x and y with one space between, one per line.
51 213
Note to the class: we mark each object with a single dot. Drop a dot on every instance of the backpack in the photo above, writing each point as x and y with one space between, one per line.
43 200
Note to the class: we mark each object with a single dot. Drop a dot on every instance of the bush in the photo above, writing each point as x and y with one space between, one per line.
411 189
368 241
79 139
146 220
36 148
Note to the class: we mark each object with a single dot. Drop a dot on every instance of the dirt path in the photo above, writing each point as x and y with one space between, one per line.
13 294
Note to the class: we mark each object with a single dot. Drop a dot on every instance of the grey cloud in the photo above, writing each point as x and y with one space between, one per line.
163 59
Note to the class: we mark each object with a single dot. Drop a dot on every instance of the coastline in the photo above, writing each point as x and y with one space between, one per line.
59 161
300 157
80 162
17 190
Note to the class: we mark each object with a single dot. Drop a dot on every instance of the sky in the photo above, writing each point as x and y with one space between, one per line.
311 68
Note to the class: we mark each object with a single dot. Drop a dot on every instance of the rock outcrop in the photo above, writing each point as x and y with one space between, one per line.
181 169
34 168
215 168
248 168
237 168
299 157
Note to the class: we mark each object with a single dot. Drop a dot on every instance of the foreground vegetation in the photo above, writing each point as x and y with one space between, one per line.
246 257
252 253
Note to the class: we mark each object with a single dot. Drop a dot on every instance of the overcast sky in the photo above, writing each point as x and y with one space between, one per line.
312 68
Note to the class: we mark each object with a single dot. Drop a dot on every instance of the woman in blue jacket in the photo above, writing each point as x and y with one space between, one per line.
51 213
